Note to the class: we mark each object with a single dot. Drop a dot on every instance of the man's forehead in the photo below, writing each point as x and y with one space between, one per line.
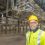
33 21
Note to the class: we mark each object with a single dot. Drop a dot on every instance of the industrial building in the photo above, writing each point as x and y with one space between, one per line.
13 19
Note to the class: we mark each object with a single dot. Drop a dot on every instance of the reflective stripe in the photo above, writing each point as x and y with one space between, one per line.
38 42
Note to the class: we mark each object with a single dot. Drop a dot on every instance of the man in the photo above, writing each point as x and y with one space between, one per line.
35 36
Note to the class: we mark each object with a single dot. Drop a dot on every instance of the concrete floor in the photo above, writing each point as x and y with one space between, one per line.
12 40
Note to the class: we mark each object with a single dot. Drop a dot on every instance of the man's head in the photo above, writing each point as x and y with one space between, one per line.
33 22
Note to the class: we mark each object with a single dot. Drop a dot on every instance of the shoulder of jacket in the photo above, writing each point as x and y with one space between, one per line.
28 33
43 34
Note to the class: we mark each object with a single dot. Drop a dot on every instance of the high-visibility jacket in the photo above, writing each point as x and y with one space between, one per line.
35 38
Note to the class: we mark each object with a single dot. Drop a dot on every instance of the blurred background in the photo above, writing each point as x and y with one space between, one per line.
13 19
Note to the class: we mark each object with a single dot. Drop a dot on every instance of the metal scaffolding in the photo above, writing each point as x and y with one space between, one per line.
13 19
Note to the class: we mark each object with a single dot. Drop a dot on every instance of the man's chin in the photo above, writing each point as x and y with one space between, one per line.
34 30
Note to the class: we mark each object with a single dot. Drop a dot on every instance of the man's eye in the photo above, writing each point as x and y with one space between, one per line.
33 22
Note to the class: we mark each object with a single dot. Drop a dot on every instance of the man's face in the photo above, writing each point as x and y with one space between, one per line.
33 24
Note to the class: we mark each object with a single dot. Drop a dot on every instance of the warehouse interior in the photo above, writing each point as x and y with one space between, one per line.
13 17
